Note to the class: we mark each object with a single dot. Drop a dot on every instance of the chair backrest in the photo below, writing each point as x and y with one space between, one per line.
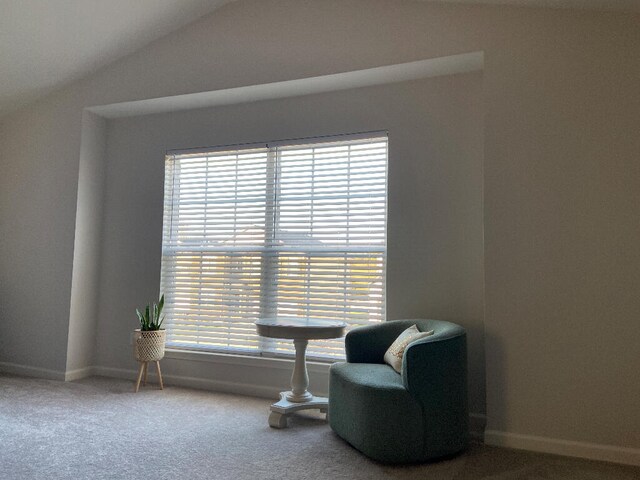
368 344
434 370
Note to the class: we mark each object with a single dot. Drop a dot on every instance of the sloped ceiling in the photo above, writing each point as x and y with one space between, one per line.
46 44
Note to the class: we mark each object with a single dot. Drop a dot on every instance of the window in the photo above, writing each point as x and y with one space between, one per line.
288 229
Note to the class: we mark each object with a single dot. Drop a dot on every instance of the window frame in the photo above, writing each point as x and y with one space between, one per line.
265 348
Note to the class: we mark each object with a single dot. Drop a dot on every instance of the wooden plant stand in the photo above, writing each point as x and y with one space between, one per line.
148 347
142 375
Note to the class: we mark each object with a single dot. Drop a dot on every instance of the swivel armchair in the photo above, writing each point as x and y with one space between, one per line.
412 417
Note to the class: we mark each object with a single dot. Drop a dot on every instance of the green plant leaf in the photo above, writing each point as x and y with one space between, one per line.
161 305
152 318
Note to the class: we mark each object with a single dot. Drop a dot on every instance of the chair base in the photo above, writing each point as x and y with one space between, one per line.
373 411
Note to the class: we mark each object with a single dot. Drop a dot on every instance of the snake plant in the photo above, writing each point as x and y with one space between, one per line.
152 318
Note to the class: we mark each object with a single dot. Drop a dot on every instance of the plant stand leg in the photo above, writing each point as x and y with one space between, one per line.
159 374
144 377
139 376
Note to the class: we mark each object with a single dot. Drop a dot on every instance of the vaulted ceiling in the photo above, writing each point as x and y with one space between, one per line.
46 44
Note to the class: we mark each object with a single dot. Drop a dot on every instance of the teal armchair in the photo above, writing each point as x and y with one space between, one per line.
414 417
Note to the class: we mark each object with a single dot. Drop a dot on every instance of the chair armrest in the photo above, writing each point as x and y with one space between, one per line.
430 361
434 370
368 344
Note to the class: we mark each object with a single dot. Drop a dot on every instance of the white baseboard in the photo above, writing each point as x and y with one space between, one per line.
123 373
569 448
251 390
29 371
78 373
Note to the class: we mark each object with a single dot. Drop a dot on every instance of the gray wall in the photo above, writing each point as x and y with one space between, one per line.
561 177
38 186
435 265
85 289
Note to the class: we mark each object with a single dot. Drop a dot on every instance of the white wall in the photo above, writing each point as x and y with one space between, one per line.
561 180
435 266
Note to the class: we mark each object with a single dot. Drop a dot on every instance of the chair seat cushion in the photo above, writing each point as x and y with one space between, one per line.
371 409
371 375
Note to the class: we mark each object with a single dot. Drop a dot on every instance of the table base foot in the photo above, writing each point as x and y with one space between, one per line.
277 420
281 410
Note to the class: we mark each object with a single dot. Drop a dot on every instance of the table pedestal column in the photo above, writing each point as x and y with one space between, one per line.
299 398
300 378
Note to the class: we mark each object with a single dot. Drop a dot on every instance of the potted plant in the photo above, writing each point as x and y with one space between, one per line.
149 340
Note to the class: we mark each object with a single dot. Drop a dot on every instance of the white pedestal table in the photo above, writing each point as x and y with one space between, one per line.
299 330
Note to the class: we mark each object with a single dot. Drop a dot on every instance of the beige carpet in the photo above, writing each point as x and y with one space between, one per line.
98 428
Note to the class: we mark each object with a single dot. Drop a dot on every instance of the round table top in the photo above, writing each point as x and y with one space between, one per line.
300 328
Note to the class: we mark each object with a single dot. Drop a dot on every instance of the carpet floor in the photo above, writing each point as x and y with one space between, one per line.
97 428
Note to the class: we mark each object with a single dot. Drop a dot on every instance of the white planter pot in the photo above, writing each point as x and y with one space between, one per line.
148 346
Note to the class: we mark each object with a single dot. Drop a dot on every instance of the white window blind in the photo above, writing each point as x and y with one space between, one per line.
282 230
